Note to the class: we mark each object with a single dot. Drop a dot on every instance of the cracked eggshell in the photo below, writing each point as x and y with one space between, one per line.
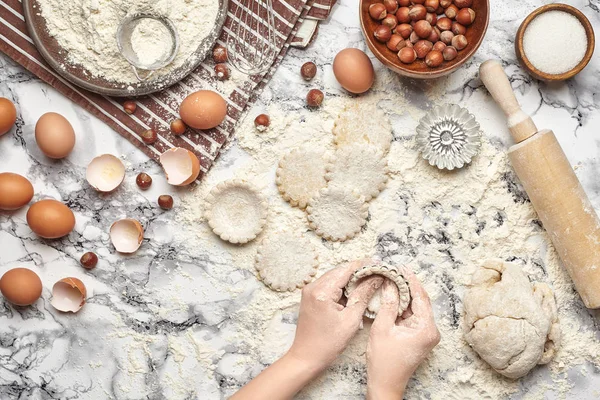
126 235
105 173
68 295
181 166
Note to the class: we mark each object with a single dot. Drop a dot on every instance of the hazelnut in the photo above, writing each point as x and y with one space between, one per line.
402 15
465 16
423 29
390 21
444 24
165 202
89 260
449 53
404 30
391 6
439 46
422 47
434 36
377 11
463 3
418 1
434 58
314 98
220 54
431 18
178 127
262 122
382 33
451 11
143 180
394 41
404 3
458 29
129 106
431 5
308 70
222 72
413 38
446 37
445 3
149 136
417 13
459 42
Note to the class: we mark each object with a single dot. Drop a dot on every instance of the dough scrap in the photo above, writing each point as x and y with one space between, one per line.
286 262
236 211
363 124
337 214
511 323
363 168
392 274
300 175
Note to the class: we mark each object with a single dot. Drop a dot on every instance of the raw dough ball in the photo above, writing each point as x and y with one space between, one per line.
511 323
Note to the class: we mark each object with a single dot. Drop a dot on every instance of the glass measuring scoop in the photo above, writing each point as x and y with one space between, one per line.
148 42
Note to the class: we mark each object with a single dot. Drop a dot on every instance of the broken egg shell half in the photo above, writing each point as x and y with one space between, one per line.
126 235
68 295
181 166
105 173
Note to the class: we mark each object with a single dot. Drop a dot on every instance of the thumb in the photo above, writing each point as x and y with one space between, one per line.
388 309
359 298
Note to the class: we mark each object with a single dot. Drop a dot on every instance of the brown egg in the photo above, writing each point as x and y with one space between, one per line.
204 109
353 70
21 286
54 135
15 191
8 115
50 219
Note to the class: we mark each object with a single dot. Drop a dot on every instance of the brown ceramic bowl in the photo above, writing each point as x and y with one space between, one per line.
418 69
533 71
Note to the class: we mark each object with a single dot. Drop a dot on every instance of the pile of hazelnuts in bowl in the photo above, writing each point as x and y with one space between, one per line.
430 30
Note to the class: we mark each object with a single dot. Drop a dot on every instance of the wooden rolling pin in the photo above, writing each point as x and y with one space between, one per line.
553 188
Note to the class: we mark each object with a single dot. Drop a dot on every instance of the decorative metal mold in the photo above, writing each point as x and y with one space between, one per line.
448 136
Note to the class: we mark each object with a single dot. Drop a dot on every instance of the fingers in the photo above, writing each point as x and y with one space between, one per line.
336 279
388 311
359 298
420 303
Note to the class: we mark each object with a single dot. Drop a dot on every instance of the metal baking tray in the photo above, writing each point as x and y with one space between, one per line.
51 51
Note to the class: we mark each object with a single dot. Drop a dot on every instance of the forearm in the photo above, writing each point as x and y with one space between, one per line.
281 380
386 391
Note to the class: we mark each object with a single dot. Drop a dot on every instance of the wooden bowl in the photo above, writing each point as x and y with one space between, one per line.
589 31
418 69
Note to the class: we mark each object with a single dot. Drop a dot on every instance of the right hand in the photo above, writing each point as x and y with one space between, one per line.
397 347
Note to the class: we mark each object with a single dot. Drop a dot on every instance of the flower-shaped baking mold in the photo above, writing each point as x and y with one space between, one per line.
448 136
236 211
388 272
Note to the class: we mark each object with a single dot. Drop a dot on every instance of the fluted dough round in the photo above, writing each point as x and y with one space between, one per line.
510 322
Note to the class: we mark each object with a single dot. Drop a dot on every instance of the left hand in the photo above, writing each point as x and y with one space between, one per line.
325 327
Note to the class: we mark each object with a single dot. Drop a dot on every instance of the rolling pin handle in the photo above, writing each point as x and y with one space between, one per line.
495 80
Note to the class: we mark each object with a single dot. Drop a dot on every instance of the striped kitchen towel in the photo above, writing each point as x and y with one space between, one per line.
156 111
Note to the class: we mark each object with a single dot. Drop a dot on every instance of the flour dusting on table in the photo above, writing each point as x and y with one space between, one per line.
443 224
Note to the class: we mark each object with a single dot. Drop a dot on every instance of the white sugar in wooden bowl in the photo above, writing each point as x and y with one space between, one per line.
555 42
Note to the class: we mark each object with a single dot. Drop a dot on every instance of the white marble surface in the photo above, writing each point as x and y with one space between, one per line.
147 312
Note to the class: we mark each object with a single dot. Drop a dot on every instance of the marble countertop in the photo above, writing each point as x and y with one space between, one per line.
159 324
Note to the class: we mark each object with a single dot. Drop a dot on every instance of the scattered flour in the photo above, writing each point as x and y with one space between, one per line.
87 30
443 224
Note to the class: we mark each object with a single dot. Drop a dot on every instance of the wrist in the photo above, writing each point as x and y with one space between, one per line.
390 391
305 365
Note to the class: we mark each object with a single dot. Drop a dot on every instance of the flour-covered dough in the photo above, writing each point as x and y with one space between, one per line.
286 261
366 124
511 323
300 175
362 168
337 214
236 211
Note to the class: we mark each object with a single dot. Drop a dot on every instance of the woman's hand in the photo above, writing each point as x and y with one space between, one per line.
324 326
397 347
